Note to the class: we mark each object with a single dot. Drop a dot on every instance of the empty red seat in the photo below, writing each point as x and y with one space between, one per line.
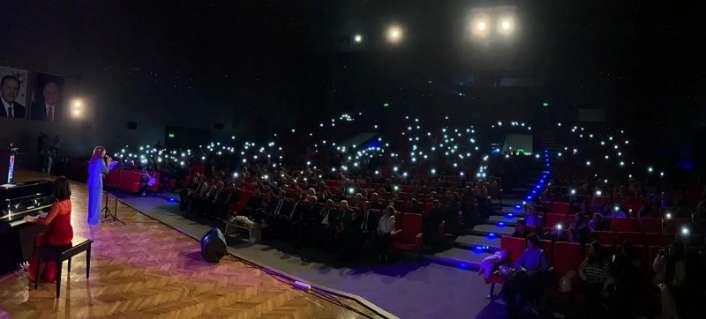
513 245
567 256
624 225
651 225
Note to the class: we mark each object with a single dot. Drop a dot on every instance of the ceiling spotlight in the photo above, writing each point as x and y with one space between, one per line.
77 103
506 26
394 34
480 27
358 38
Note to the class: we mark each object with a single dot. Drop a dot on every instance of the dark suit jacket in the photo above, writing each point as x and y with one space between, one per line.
19 110
39 112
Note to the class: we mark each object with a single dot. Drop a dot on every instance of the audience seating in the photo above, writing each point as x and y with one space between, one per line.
635 238
624 225
514 246
658 239
548 248
560 208
551 220
672 226
410 238
605 237
651 225
567 256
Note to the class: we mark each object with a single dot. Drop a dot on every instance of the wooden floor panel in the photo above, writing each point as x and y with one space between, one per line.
146 270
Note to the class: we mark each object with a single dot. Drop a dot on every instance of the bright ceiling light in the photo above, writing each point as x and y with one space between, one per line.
394 34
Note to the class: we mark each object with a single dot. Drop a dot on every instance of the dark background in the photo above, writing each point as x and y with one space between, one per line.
257 67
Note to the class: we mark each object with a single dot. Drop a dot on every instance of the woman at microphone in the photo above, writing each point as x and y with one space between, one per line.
98 167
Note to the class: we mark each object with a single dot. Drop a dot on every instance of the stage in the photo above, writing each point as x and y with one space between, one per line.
407 288
144 269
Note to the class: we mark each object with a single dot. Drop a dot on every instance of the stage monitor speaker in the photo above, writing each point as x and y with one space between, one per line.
213 245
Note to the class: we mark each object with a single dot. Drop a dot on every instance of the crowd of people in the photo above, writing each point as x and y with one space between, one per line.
345 214
354 214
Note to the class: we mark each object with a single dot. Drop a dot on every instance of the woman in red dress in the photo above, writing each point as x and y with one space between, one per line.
60 232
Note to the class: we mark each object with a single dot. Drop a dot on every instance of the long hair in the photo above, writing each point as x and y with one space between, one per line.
62 190
98 152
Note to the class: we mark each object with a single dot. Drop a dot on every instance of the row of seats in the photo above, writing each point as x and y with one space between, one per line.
644 225
624 202
128 180
409 239
565 256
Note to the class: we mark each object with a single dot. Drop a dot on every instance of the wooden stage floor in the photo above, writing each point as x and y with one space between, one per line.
147 270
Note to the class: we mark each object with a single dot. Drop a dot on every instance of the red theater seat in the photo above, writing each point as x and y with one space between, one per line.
624 225
633 237
567 256
513 245
548 248
672 226
551 220
410 238
604 237
651 225
561 208
658 239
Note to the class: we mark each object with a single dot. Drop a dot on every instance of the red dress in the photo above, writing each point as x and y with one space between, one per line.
60 233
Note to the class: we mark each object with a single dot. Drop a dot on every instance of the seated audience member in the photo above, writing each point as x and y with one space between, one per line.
526 284
532 218
521 230
670 269
385 231
147 181
625 272
431 222
596 223
492 263
578 230
618 212
593 272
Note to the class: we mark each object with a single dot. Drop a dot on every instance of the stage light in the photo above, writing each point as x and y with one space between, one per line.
507 26
394 34
668 215
77 103
559 227
480 27
76 113
573 192
358 38
599 193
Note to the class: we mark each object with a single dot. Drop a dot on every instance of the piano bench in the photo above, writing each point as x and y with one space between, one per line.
61 253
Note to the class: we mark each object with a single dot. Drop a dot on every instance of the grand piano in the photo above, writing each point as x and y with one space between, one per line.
17 236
